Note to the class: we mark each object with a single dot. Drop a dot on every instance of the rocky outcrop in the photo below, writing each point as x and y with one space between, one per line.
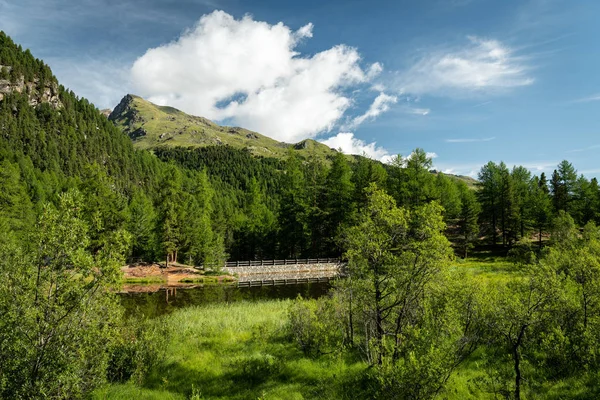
126 115
36 94
139 132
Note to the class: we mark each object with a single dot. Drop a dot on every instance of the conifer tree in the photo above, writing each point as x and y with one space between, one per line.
563 184
468 218
339 208
489 198
142 226
294 234
169 226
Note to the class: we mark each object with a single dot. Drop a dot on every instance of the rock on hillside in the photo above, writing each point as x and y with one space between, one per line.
36 94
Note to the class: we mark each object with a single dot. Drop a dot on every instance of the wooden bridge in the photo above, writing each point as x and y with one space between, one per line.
285 272
293 261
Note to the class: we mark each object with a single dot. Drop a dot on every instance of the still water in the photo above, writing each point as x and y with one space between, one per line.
165 301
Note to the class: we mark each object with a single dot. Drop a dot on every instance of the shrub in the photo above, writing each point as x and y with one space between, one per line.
141 346
316 325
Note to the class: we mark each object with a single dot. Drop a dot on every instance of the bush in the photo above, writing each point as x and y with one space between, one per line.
316 325
140 347
258 367
522 253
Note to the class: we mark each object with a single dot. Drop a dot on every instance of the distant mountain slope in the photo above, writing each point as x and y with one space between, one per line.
150 126
471 182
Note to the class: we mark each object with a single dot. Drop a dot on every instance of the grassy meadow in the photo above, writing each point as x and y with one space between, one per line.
244 350
238 351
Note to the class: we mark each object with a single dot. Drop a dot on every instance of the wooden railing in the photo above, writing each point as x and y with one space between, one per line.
294 261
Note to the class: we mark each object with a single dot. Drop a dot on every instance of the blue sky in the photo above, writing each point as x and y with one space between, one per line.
467 80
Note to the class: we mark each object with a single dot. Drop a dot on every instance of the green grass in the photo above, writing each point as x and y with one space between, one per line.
130 391
203 279
238 351
486 266
145 279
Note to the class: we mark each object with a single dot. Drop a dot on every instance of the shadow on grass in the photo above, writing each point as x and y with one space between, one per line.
280 373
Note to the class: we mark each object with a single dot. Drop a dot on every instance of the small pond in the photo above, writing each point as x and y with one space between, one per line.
164 301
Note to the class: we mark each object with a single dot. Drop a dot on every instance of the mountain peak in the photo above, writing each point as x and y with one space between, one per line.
150 125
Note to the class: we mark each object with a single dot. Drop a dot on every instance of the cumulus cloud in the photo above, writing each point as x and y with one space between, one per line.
374 70
352 145
248 71
483 65
380 105
349 144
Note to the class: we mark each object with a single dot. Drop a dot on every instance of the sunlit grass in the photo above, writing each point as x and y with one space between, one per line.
239 351
486 266
145 279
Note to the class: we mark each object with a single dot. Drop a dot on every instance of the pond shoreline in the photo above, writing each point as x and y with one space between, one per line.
151 277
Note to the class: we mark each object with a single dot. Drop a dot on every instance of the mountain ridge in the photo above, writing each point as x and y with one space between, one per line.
150 125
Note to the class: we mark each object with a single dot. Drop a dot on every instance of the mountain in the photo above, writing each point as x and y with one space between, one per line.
151 126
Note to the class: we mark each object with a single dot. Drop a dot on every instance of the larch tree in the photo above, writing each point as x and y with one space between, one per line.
468 218
488 196
339 208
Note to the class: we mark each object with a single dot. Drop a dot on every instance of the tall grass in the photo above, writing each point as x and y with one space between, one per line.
239 351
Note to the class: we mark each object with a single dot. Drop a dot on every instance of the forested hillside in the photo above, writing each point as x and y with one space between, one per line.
206 204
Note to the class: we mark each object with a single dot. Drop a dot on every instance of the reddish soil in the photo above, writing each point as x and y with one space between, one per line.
170 277
175 272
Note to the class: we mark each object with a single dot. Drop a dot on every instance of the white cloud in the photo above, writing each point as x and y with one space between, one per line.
592 147
380 105
472 169
428 154
417 111
588 99
248 71
374 70
483 65
351 145
470 140
378 87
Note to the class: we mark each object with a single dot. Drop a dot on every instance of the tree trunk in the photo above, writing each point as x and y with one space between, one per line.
503 223
350 320
522 228
517 361
585 310
494 222
378 319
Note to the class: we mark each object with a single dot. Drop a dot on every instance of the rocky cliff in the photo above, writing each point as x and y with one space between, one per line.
46 93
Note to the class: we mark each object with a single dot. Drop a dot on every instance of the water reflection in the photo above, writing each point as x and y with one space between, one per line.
167 300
